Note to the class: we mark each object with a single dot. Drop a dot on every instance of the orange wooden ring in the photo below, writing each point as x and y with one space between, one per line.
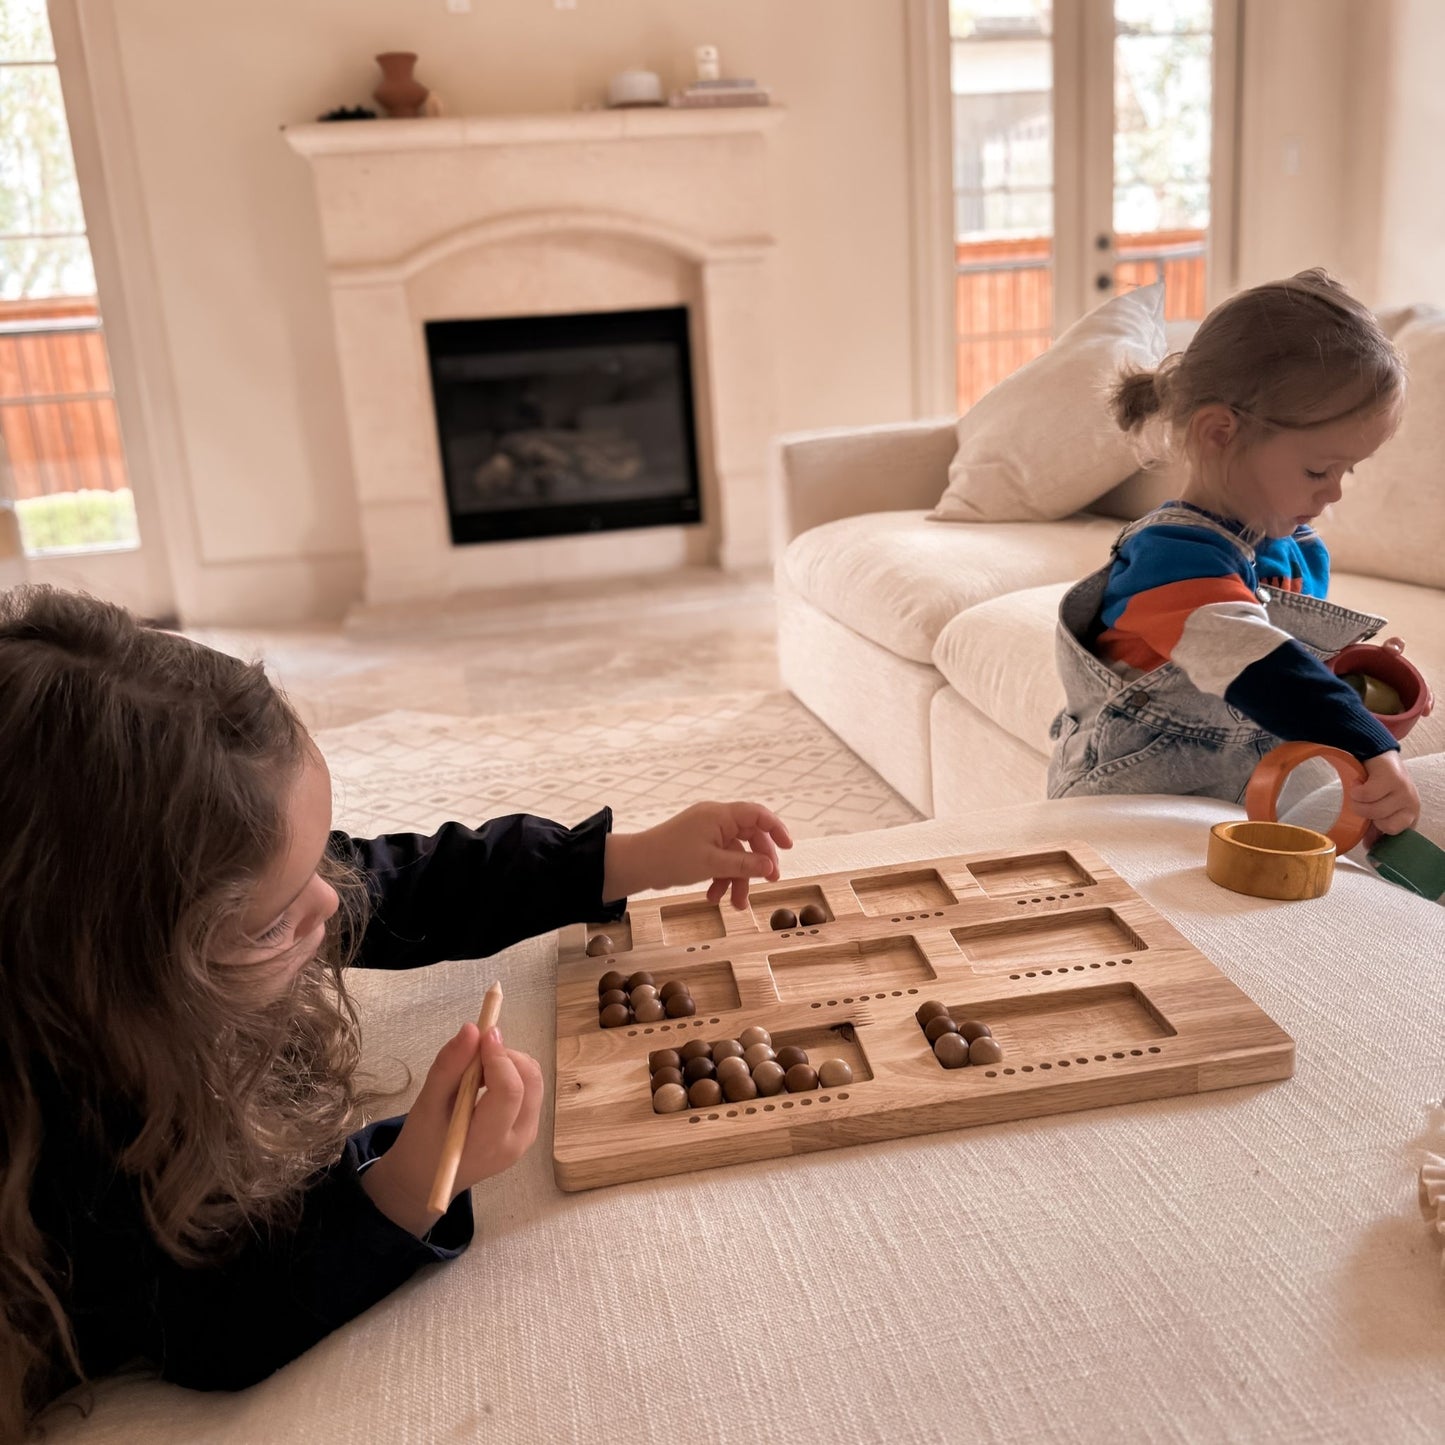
1261 797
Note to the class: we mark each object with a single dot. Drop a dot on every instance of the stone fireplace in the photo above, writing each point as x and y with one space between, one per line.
431 224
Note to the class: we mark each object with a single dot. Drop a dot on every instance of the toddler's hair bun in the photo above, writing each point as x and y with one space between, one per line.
1136 398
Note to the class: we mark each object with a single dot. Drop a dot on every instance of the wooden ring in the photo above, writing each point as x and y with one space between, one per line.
1261 797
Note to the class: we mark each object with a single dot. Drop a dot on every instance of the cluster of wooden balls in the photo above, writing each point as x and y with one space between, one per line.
808 916
700 1074
639 999
957 1044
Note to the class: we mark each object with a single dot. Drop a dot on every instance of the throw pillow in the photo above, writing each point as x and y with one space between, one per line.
1042 444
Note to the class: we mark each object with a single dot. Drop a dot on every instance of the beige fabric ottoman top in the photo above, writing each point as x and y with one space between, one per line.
1243 1265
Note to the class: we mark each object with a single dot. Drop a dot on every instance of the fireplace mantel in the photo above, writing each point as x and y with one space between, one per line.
450 218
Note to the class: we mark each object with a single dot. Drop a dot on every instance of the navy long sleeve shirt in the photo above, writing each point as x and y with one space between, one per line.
461 893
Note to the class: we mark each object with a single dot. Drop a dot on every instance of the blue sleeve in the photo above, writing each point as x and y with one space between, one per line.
470 892
1292 694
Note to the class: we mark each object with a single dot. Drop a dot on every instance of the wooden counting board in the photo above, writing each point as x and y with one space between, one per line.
1094 998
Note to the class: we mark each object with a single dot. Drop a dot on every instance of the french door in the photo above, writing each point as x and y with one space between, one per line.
1092 145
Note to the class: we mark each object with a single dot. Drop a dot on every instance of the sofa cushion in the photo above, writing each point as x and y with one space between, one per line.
897 579
1391 519
1000 656
1042 443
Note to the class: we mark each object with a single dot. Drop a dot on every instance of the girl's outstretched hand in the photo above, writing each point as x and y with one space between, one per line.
727 843
503 1127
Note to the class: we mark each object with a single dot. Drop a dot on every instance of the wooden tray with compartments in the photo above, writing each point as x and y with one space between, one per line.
1094 998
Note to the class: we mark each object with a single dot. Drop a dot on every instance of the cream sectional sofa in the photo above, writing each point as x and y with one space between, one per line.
928 646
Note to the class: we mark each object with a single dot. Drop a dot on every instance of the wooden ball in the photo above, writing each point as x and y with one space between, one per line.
770 1077
615 1015
672 986
609 981
642 991
810 916
939 1026
791 1055
612 996
599 944
670 1099
951 1051
695 1069
705 1093
986 1050
649 1010
731 1068
782 918
666 1076
971 1029
738 1087
695 1049
664 1059
681 1006
639 978
931 1009
754 1035
801 1077
726 1049
834 1073
758 1054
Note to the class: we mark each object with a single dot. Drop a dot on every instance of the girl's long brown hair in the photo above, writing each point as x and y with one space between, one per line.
143 787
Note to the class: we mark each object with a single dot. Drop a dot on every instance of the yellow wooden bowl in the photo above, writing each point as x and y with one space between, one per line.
1270 860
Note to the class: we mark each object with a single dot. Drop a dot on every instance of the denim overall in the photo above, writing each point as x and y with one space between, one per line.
1158 733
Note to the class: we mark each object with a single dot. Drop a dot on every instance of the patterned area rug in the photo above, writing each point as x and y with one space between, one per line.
413 771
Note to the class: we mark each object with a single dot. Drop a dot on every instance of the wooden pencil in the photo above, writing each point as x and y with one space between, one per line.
446 1175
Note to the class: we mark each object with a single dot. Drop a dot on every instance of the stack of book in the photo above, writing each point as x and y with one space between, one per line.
705 94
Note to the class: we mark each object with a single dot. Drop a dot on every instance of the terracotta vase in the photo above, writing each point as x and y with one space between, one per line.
401 95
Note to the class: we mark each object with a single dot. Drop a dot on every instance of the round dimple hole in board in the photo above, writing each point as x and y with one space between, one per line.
1153 1050
842 1096
1063 1063
691 949
1049 898
1108 963
832 1003
1118 1055
631 1033
1046 1066
847 1000
1081 1061
787 1103
1136 1053
712 1021
895 920
990 1075
732 1113
1015 976
825 1098
768 1108
647 1031
1101 1058
912 990
897 993
1078 968
1022 901
1093 965
750 1110
1030 975
817 1005
1028 1068
712 1116
696 1119
805 1102
1126 960
1008 1071
812 930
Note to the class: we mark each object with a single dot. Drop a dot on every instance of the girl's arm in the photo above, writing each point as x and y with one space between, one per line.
469 892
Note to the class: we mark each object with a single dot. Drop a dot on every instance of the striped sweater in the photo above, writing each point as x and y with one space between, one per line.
1189 594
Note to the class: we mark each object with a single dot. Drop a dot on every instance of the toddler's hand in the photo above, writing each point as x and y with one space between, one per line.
1387 798
503 1128
729 843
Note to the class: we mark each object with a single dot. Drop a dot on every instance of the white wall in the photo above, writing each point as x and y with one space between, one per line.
237 248
238 255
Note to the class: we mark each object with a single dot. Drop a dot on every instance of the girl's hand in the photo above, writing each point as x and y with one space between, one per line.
1387 798
729 843
503 1128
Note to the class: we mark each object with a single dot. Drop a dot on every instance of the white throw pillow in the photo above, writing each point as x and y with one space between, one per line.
1042 444
1391 520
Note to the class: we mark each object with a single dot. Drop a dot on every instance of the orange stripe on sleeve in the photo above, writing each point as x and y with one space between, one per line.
1157 617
